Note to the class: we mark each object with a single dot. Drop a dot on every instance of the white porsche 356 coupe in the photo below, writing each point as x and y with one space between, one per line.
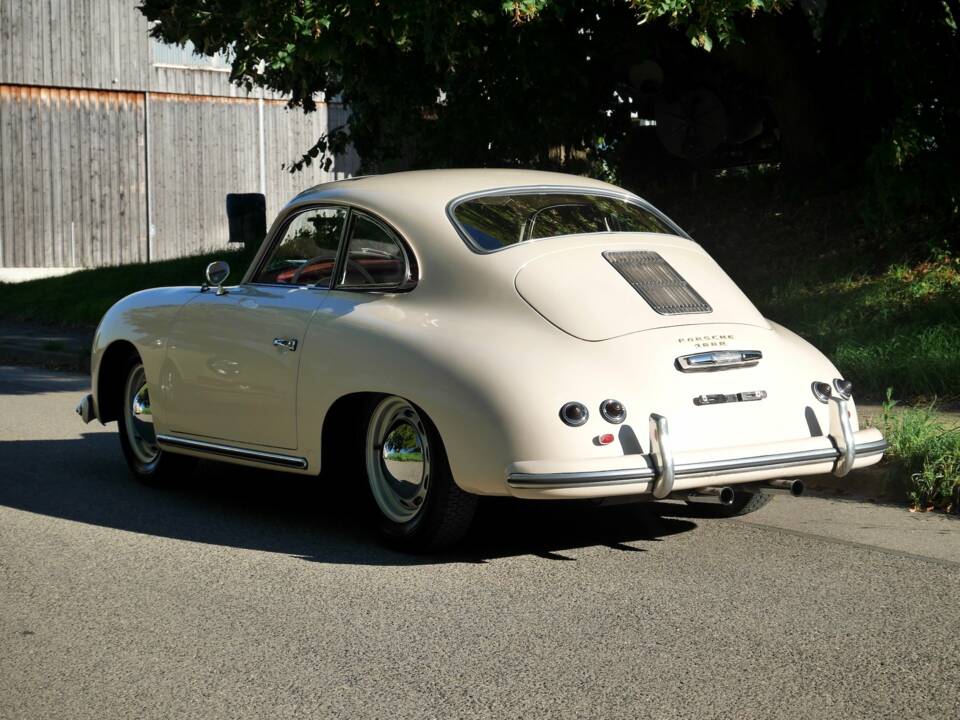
452 334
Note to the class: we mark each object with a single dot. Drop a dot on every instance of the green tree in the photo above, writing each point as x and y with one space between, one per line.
868 86
449 81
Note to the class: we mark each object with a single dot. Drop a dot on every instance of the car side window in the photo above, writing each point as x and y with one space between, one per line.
374 256
307 253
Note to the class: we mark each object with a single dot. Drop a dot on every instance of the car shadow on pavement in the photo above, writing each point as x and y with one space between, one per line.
85 480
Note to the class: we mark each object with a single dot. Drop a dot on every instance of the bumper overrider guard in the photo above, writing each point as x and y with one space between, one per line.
86 409
663 470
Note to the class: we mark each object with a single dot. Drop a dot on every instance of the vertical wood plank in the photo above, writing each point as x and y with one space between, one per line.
33 213
43 40
6 44
43 231
96 192
138 182
20 224
23 121
6 152
82 227
73 165
55 177
108 139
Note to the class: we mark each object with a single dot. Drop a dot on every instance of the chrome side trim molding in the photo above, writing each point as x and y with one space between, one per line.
545 481
581 479
552 481
210 448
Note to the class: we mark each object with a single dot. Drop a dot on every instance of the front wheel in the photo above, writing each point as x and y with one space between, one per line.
138 440
421 507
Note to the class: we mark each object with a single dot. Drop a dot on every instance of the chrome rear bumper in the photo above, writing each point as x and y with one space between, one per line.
705 469
663 472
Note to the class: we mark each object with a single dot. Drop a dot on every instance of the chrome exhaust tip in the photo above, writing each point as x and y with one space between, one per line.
722 495
794 487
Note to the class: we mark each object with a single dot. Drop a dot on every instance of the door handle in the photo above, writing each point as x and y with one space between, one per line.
286 344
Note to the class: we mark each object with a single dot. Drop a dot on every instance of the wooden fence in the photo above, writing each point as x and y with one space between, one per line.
94 177
117 149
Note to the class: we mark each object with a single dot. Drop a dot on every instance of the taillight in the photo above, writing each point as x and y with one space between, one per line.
844 388
613 411
822 391
574 414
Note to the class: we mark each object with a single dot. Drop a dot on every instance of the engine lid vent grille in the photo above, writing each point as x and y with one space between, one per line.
657 282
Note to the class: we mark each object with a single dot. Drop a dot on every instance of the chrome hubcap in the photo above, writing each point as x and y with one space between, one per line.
138 418
398 459
141 406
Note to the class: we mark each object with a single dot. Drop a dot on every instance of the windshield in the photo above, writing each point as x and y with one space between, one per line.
496 221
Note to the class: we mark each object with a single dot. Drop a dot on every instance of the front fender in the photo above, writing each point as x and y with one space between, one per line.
140 321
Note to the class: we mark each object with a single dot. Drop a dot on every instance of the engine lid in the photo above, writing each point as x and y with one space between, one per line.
604 290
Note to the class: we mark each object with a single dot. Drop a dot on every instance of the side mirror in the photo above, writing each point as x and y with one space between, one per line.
217 274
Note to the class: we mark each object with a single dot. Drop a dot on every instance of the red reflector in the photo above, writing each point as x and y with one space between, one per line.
606 439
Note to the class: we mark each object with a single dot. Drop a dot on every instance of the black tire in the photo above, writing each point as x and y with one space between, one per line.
445 512
147 463
744 503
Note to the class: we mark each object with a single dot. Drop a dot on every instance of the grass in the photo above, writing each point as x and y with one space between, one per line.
406 457
81 298
897 327
929 451
884 305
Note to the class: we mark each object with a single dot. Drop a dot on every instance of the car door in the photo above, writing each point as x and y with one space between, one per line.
232 360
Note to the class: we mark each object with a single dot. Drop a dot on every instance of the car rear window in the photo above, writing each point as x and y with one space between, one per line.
499 220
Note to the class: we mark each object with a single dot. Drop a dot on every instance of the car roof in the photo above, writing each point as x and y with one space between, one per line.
442 186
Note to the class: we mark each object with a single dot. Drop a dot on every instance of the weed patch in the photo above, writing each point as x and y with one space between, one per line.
928 450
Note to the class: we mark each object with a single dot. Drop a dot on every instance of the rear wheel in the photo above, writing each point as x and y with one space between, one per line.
138 440
421 508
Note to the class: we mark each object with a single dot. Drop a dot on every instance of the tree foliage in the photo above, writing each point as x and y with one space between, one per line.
450 81
870 85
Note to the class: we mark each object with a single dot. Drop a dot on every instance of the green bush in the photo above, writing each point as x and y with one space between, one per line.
899 326
928 450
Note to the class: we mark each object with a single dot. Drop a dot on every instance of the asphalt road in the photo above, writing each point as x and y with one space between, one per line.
241 594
